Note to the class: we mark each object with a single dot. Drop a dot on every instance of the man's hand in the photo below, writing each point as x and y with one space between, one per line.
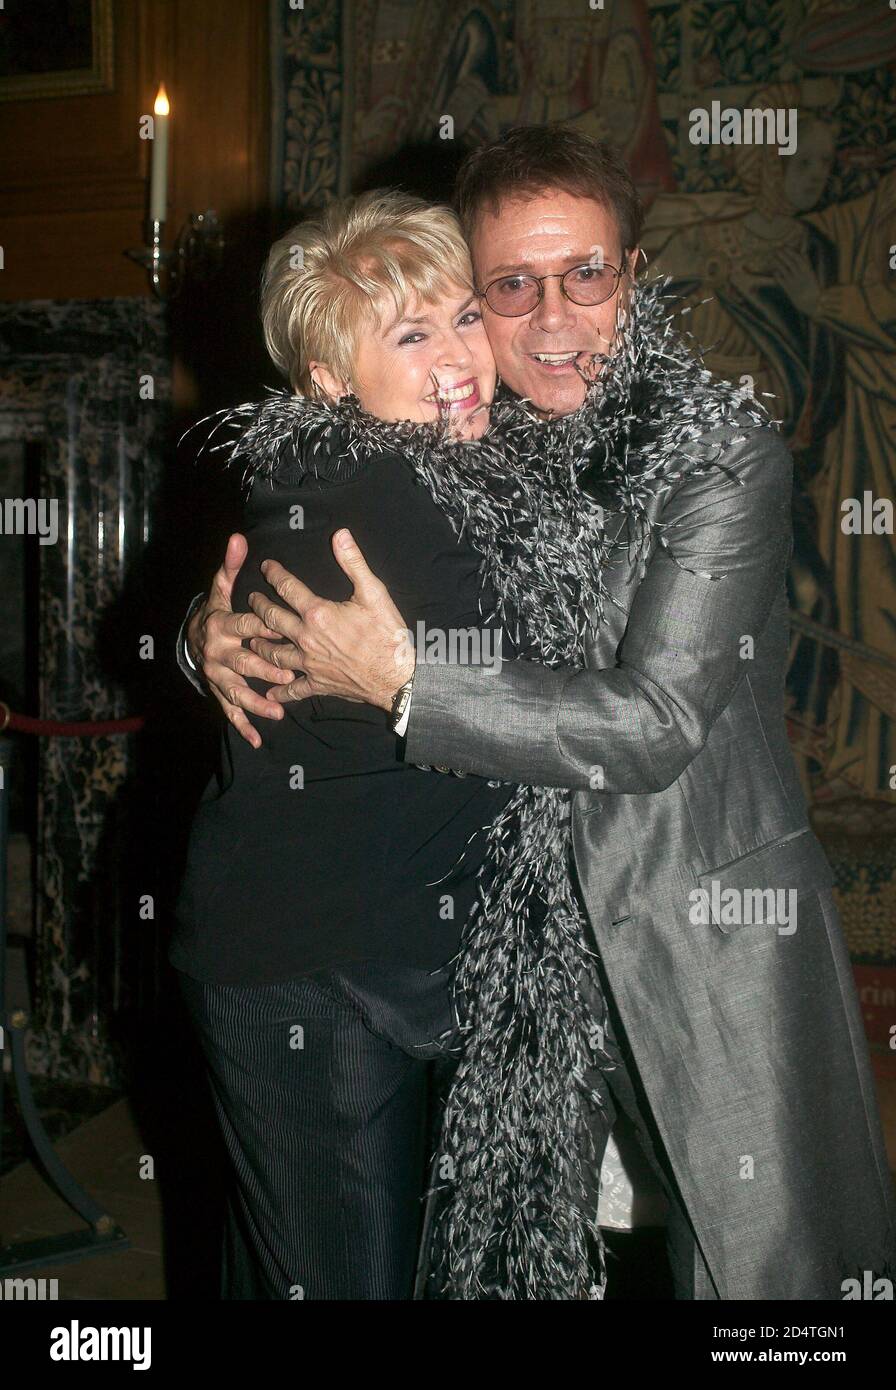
214 640
359 650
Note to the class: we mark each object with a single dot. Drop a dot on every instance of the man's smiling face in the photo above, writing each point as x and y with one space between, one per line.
547 234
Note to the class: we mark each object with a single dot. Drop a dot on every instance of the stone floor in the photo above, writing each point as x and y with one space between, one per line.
151 1159
103 1153
62 1106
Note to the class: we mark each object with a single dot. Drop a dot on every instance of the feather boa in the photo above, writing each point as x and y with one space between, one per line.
532 497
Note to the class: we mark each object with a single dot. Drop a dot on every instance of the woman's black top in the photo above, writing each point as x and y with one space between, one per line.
324 846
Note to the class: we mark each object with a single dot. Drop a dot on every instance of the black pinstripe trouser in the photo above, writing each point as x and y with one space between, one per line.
320 1086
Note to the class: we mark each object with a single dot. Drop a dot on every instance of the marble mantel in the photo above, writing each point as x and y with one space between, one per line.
89 382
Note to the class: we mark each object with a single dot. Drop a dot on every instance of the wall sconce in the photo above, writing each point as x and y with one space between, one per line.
198 249
200 241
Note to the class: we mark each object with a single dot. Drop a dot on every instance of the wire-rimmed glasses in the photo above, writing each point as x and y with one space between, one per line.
511 296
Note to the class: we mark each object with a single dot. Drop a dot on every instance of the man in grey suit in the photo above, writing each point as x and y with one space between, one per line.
742 1060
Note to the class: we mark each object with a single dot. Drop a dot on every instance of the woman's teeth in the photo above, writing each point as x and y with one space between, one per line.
454 393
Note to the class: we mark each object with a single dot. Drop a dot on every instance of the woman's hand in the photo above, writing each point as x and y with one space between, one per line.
215 642
359 650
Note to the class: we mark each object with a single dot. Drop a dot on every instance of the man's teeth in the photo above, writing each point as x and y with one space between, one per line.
454 393
555 356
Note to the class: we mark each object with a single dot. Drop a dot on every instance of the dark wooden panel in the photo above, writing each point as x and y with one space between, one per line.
75 172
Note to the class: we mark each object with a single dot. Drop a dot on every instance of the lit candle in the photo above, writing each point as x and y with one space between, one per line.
158 189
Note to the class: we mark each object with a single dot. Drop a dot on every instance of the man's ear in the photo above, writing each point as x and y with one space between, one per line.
327 381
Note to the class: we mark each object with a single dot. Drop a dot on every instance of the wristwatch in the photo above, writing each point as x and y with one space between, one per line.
400 702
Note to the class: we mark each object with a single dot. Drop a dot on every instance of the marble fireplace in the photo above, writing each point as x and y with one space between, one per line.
84 422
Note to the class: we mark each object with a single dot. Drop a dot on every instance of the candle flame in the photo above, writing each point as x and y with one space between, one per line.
161 106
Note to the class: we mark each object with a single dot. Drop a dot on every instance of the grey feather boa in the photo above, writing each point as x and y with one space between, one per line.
527 1101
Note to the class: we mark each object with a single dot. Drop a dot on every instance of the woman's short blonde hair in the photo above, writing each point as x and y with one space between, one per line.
329 278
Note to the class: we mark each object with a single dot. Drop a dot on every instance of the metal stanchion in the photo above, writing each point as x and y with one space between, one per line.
104 1233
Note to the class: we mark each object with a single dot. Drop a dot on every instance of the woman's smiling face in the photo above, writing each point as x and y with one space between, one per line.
435 357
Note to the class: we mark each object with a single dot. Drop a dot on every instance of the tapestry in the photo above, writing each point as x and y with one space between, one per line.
762 137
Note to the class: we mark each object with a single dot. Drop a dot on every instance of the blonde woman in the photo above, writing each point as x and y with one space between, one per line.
321 903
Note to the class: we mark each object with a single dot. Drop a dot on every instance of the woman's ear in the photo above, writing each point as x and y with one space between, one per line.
327 382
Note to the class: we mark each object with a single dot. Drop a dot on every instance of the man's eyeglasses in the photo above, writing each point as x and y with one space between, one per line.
514 295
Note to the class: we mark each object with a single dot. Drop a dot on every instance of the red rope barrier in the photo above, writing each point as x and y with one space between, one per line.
83 728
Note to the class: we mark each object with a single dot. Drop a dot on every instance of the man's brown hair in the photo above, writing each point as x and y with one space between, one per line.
532 159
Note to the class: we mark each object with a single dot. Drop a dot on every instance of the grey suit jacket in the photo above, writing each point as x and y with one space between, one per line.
748 1037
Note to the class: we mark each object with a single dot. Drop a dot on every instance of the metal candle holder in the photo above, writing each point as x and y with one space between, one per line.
198 249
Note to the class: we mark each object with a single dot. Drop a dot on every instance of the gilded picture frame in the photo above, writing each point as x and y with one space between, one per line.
89 42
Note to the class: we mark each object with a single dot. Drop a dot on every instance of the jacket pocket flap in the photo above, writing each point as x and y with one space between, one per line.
794 862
